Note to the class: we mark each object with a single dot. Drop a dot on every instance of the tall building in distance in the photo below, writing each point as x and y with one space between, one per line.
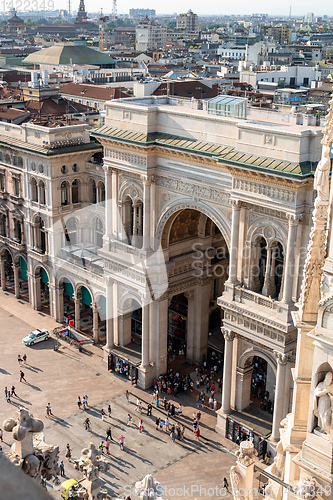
281 34
139 13
81 17
149 35
188 22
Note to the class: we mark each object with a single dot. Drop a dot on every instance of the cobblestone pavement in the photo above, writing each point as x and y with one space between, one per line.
58 377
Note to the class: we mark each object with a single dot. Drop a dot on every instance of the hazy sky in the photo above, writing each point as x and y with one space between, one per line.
280 7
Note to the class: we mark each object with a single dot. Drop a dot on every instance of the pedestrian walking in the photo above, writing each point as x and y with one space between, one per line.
173 433
149 409
129 419
157 422
210 401
5 391
166 422
109 411
173 410
180 410
13 391
86 398
79 402
141 427
157 402
22 376
87 424
183 432
107 445
101 446
84 402
49 409
1 435
225 484
8 397
161 424
109 434
198 416
197 434
19 359
25 358
121 440
68 453
215 405
103 414
62 469
127 395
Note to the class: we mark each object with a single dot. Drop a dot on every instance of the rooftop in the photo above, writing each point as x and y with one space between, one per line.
69 53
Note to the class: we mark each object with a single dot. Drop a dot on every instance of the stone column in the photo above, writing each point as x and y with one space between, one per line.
145 335
114 204
60 303
135 226
37 292
234 241
146 215
282 360
227 368
108 201
109 316
95 322
3 274
289 265
77 310
153 314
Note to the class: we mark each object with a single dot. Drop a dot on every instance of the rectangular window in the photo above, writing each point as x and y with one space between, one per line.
16 186
2 181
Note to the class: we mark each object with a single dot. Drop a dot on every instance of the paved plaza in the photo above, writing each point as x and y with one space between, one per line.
58 377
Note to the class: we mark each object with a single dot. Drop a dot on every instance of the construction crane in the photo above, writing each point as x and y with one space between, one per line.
102 20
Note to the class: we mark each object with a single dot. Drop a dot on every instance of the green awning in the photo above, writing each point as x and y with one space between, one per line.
44 276
86 297
68 289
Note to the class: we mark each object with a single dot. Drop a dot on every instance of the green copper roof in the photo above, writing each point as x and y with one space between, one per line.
68 53
223 154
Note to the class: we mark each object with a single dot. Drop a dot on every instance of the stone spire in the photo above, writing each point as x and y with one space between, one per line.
310 291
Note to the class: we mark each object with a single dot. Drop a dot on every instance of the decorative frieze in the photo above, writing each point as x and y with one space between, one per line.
191 189
274 192
127 157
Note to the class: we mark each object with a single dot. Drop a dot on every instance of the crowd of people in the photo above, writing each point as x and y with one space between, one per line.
258 384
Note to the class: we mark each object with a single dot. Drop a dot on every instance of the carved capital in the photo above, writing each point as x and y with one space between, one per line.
284 358
228 334
236 204
294 219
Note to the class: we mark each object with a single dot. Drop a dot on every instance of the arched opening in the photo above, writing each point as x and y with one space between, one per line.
68 300
92 191
258 268
71 231
34 190
198 262
86 314
101 192
215 348
42 290
136 323
64 193
23 278
17 230
262 384
9 271
99 233
42 199
40 235
75 191
278 271
128 214
177 328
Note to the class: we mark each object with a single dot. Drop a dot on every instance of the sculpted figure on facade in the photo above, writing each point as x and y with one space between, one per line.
323 403
321 179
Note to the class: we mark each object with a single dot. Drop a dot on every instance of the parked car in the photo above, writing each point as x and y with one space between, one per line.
36 336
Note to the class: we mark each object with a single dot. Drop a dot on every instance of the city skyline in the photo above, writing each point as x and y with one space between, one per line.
242 7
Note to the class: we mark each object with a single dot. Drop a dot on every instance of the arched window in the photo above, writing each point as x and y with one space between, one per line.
34 190
42 198
40 236
3 224
101 192
75 191
64 193
99 233
71 231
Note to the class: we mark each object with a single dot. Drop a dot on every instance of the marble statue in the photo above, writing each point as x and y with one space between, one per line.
321 179
36 459
148 489
91 463
323 403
